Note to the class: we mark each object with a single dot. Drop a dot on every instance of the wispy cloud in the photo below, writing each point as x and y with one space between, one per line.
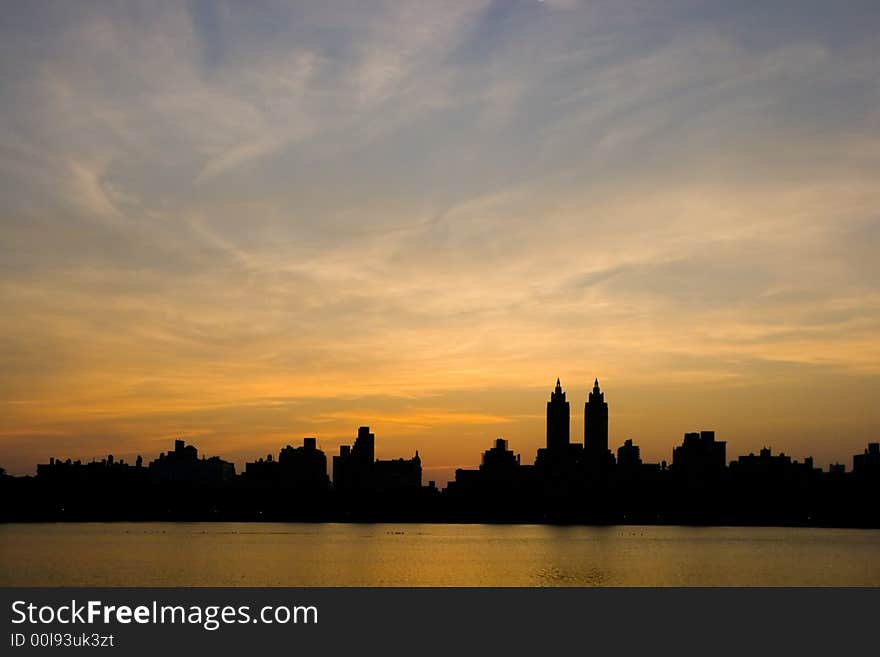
207 208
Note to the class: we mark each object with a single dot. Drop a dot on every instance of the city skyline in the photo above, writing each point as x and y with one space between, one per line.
570 481
593 444
393 443
241 223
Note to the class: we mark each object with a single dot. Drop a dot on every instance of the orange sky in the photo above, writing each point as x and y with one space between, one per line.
243 228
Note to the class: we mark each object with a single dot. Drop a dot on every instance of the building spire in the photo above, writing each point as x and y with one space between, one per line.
558 420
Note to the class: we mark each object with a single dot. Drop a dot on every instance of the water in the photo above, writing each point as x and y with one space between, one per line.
278 554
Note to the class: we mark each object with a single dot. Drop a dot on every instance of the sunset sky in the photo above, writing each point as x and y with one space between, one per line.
245 223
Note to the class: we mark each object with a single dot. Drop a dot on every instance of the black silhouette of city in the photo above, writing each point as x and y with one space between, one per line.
569 482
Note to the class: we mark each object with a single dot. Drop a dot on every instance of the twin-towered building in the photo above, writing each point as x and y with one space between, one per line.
699 454
594 450
567 473
563 470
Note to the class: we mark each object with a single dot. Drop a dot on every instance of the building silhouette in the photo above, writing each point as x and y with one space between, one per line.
558 421
628 456
73 471
868 463
700 458
771 467
303 467
597 457
356 470
184 465
558 471
398 474
353 466
500 488
499 467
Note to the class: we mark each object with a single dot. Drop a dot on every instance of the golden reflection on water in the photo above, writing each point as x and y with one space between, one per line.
276 554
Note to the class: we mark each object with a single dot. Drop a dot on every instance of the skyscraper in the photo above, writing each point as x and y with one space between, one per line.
596 426
558 420
364 449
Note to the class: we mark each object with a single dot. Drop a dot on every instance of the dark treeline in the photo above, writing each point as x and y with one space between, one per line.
575 482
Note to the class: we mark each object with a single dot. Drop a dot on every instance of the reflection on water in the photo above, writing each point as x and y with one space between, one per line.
276 554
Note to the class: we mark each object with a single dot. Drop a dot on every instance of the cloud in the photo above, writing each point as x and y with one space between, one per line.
206 208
